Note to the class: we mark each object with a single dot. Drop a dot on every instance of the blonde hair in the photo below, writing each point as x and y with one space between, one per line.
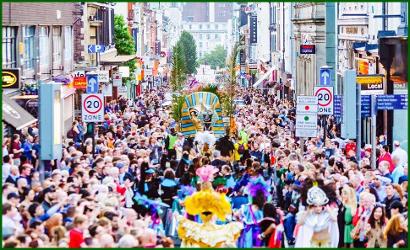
393 226
351 200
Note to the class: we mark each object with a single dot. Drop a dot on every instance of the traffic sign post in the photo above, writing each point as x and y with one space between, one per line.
325 100
366 104
92 106
391 102
92 83
306 116
326 76
93 48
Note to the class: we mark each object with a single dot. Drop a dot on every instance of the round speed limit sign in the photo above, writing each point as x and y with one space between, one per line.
325 100
92 107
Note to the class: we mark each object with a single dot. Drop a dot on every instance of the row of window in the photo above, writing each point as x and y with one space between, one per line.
208 36
44 33
206 27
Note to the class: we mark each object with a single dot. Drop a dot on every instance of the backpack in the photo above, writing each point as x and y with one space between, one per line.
71 133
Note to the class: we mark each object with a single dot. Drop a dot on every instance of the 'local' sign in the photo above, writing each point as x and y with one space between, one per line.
92 107
325 100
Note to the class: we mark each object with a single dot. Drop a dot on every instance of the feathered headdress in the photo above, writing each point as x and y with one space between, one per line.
258 185
206 173
205 137
208 201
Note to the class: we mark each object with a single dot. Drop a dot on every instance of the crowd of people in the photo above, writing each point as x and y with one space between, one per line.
127 186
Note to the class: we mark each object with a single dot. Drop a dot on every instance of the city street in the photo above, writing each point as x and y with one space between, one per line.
204 125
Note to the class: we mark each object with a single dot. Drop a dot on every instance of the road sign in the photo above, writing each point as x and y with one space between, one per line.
366 105
117 79
325 100
95 48
92 107
306 121
306 116
92 84
103 76
325 76
107 89
307 100
391 102
338 106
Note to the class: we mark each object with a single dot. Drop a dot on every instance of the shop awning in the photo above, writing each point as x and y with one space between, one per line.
360 46
15 115
266 75
372 48
113 59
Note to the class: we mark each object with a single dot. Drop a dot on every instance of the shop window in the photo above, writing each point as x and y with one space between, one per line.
28 39
43 34
9 47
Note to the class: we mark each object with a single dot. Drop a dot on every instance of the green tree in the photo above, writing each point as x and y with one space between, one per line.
178 76
187 42
231 84
215 58
124 43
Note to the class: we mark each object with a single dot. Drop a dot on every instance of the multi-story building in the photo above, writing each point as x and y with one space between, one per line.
309 29
207 35
38 42
360 26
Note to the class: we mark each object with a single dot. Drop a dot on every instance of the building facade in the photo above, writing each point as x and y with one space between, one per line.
309 29
207 35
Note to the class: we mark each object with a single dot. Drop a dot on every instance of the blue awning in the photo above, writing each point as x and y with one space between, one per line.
359 46
385 33
372 48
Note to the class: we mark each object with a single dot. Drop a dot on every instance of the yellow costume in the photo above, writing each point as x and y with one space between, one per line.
209 205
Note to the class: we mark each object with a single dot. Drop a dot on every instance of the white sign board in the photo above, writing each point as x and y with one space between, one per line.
122 90
117 80
325 100
306 121
92 107
124 71
148 72
107 89
306 116
103 76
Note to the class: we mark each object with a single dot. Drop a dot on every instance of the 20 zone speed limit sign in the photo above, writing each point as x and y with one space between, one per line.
325 100
92 107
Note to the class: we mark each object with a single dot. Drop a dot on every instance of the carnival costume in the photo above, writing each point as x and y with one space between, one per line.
317 229
209 205
250 217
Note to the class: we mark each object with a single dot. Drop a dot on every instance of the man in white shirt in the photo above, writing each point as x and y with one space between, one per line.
7 163
400 153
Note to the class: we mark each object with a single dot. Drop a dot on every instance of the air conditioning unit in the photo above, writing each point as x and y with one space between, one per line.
91 18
